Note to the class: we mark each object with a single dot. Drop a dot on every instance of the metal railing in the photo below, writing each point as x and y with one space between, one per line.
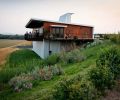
35 35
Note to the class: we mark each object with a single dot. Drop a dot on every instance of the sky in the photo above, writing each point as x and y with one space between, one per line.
103 15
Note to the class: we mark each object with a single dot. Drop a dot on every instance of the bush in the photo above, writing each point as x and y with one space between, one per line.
75 56
21 82
47 72
72 57
74 89
107 69
57 70
96 42
115 38
83 90
62 89
111 59
42 73
52 59
25 81
102 78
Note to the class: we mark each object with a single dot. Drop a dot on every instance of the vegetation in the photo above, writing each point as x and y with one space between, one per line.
16 36
26 81
107 69
113 37
81 74
17 63
76 88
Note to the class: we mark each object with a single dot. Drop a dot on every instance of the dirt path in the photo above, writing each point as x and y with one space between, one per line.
4 52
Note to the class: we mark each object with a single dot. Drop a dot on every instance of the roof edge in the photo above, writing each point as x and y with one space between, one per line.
43 20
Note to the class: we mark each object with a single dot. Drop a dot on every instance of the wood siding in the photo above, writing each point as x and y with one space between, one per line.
72 30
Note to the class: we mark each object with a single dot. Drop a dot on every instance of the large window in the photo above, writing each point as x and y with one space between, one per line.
57 32
85 35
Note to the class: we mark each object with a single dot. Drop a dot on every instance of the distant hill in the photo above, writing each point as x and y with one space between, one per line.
16 36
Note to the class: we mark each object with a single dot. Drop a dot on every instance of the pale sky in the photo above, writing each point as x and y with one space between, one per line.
104 15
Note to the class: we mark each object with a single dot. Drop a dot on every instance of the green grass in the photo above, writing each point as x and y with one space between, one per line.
26 60
20 61
20 58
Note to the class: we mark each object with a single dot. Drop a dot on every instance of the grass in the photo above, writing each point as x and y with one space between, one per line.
8 46
20 61
26 60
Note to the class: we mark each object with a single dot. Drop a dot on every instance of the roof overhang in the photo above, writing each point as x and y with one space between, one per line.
34 23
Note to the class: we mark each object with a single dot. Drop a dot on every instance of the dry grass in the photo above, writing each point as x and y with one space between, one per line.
8 46
7 43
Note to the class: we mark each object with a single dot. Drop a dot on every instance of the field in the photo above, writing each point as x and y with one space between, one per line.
28 62
8 43
8 46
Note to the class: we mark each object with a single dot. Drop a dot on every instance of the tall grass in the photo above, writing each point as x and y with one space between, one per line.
20 61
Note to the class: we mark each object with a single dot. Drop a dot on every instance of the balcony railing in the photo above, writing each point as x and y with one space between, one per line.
33 36
36 36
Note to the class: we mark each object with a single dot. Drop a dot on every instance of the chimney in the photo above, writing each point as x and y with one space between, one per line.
66 18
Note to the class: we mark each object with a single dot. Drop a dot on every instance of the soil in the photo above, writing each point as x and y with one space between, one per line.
112 95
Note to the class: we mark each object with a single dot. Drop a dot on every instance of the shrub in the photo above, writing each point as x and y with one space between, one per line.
92 44
102 78
47 72
52 59
57 70
72 57
74 89
115 38
111 59
42 73
107 69
62 89
25 81
21 82
75 56
35 73
83 90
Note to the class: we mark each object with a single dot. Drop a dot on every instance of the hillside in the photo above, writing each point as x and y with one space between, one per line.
70 70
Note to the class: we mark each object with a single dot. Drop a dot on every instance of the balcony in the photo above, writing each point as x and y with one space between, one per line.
33 36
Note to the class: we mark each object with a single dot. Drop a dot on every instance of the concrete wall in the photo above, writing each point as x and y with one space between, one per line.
38 47
42 47
54 47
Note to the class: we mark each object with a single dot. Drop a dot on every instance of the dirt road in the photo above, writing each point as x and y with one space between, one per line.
4 52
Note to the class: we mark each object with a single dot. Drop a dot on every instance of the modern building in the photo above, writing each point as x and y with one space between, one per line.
52 37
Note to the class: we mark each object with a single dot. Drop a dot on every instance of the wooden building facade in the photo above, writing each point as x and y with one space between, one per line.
49 35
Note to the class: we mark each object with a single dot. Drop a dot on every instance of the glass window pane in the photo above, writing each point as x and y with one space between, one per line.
61 30
57 30
53 30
